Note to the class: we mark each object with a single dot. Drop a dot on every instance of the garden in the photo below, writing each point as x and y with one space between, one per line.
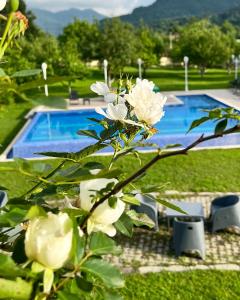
71 210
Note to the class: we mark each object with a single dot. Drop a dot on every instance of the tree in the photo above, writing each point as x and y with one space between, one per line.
84 36
205 44
149 47
117 45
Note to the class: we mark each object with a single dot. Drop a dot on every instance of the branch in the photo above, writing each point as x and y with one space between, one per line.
160 156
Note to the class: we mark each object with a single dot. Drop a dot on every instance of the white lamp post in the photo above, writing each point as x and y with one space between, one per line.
105 65
170 41
186 61
140 62
44 70
236 61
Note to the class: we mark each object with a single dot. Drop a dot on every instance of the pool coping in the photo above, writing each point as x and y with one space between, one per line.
42 108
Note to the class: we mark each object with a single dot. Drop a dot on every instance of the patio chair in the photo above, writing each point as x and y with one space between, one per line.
149 207
3 199
188 236
225 212
73 98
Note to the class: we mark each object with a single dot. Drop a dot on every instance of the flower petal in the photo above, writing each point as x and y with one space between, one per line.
100 88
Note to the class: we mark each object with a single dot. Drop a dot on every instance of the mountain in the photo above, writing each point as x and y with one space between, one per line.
55 22
232 16
178 9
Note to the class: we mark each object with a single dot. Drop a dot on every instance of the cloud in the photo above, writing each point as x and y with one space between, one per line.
109 7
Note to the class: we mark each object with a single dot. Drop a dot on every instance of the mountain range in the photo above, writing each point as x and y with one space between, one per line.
178 9
55 22
161 11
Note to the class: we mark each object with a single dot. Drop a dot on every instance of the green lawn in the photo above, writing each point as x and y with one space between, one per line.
195 285
207 170
11 117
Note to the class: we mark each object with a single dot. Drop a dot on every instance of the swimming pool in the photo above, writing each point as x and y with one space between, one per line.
57 130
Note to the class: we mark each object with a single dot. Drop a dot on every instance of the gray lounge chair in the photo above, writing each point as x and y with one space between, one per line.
149 207
225 212
188 236
3 199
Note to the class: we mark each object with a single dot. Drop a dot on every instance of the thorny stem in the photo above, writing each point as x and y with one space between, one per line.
158 157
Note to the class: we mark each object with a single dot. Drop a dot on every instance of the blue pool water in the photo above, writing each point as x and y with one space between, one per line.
57 130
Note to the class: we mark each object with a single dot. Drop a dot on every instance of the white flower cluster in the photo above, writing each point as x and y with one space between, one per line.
146 105
104 216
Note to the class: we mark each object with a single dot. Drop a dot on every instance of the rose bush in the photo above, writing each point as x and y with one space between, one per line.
55 237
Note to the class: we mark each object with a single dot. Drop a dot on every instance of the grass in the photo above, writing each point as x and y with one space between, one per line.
168 79
185 173
194 285
11 116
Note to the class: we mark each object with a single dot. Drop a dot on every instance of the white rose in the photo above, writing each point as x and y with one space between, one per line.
116 112
49 240
103 216
2 4
147 105
145 83
102 89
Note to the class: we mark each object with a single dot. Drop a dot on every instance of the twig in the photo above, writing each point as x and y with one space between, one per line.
160 156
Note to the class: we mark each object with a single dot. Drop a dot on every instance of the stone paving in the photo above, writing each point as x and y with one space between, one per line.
149 251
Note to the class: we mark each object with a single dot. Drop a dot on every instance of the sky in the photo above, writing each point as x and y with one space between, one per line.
106 7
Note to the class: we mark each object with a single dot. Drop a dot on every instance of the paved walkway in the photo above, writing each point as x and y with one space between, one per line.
149 251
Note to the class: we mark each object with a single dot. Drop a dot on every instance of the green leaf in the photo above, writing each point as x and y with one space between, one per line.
170 205
35 168
37 268
198 122
8 268
19 289
215 113
12 218
78 244
27 73
171 146
2 73
18 254
100 244
84 285
67 296
75 213
109 132
221 126
35 211
112 296
89 133
78 156
112 201
48 279
152 188
131 200
109 274
125 225
140 219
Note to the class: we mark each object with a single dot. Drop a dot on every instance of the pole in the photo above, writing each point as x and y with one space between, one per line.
105 65
170 41
236 68
186 60
140 68
44 70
